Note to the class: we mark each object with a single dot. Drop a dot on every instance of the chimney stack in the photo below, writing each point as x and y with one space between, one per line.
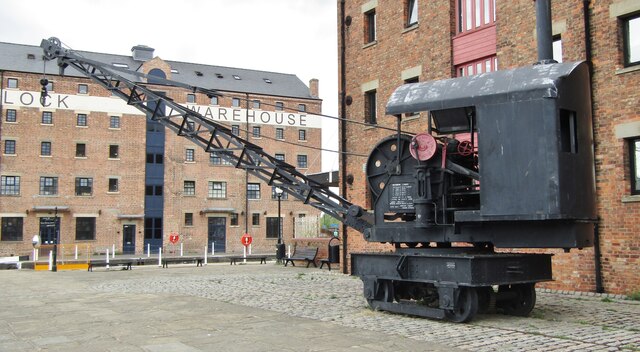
314 87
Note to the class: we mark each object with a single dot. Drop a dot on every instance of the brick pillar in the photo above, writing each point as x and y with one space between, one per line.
314 87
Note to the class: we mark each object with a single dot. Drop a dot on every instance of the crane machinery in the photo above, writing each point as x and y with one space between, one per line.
505 161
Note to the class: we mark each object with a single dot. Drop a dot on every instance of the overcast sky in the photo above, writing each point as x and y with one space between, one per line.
288 36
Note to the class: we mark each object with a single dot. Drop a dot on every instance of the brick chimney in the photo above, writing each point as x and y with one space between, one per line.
314 87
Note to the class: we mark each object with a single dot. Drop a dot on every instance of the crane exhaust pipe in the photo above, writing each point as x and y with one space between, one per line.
544 33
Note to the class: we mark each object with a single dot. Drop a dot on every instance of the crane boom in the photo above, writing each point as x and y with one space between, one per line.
210 135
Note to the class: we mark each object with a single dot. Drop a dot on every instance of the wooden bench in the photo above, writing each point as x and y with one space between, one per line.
303 254
235 259
166 261
96 263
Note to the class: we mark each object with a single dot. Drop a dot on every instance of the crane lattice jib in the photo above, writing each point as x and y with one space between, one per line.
210 135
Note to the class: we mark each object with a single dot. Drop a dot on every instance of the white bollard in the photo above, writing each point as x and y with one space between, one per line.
35 255
159 256
289 252
213 249
181 249
148 250
113 253
76 256
249 249
244 254
205 254
107 258
50 260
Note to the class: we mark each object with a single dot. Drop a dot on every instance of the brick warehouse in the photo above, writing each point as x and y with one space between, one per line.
385 44
114 179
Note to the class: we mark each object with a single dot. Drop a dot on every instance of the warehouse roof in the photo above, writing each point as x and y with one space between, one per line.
28 58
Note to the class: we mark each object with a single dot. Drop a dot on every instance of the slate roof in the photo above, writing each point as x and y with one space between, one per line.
28 58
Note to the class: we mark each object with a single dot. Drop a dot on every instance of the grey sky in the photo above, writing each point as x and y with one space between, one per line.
289 36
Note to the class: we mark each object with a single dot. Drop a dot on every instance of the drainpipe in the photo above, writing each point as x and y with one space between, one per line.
588 58
246 174
343 130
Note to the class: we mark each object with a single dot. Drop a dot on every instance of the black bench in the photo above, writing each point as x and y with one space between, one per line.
96 263
303 254
262 258
166 261
325 261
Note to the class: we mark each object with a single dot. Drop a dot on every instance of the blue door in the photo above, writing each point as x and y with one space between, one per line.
48 228
217 234
128 239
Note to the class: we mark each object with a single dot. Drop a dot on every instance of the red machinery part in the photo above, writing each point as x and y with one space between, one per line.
423 147
465 148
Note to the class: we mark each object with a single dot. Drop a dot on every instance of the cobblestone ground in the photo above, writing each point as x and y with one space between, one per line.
560 322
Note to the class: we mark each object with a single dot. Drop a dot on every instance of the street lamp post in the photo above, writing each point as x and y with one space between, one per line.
54 265
280 246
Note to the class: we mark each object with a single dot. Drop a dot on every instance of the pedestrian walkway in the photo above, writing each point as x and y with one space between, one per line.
269 307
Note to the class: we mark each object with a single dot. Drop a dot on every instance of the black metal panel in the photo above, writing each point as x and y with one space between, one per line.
461 269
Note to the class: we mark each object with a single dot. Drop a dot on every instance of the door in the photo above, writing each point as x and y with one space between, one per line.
217 234
128 239
48 228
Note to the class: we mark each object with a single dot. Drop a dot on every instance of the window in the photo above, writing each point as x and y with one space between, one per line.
114 122
233 221
274 194
557 48
253 191
47 118
152 228
84 186
370 107
216 159
12 229
370 27
49 86
235 102
82 120
113 185
191 98
81 150
256 104
114 151
10 146
255 219
235 130
189 188
217 189
10 186
11 115
279 106
273 228
189 155
302 161
45 149
631 38
280 157
412 12
634 164
155 158
85 229
302 107
473 14
83 89
153 190
12 83
488 64
256 131
568 131
188 219
302 135
214 100
48 186
279 133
